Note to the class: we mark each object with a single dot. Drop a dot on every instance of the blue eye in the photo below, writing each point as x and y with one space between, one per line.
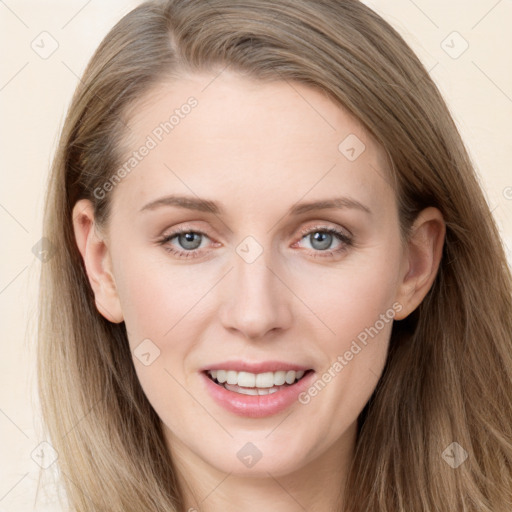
187 238
323 242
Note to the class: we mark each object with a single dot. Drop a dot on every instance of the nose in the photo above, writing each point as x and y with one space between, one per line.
258 301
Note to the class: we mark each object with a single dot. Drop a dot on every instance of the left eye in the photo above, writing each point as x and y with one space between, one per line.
321 239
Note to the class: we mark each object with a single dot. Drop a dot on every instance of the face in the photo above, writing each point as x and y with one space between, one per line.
257 233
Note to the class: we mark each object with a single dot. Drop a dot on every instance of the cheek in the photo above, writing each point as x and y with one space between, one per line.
358 309
162 310
169 305
157 297
357 313
351 296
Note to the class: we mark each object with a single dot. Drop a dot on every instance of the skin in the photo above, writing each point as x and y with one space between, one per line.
256 149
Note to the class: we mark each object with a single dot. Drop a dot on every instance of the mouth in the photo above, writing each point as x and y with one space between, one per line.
256 384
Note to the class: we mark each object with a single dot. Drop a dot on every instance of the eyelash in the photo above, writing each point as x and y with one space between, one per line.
342 237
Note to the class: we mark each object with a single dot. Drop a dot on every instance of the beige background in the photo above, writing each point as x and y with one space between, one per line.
35 93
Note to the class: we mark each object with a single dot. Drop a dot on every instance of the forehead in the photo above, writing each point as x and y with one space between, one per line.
249 140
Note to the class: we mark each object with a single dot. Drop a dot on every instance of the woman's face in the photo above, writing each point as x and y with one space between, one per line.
293 259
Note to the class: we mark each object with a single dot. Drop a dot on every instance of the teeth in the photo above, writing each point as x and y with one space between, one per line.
246 379
232 377
252 391
261 381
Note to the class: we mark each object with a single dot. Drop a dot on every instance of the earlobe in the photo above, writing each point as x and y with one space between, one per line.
96 256
422 258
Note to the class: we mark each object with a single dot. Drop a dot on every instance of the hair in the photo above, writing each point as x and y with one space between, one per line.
448 375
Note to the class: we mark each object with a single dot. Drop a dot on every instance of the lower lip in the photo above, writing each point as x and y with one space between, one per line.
257 406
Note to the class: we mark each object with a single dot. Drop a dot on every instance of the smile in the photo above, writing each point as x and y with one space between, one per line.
255 383
256 395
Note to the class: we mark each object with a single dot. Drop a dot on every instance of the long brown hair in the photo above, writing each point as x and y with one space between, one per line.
448 376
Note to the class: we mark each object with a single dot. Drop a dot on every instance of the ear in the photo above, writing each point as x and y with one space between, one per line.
98 264
422 256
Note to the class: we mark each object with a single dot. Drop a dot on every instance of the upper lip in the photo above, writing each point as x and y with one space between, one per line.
255 366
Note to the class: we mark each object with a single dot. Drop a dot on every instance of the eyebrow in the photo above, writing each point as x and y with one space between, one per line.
205 205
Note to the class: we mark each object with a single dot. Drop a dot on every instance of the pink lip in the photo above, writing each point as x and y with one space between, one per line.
254 367
256 406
